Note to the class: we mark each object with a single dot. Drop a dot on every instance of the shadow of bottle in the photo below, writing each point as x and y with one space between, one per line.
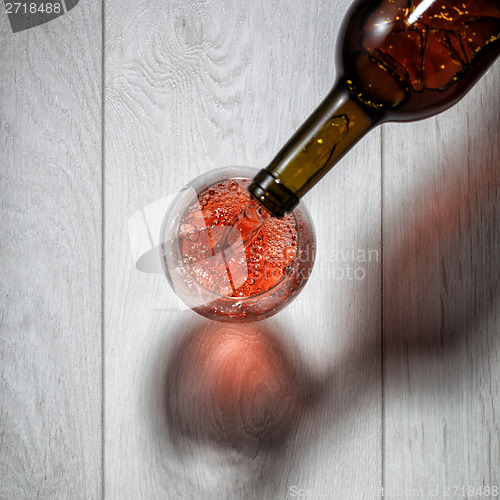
441 289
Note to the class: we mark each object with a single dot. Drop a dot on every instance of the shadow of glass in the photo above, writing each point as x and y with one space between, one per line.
232 393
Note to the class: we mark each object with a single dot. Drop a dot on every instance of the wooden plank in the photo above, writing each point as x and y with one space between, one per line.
441 300
190 87
50 355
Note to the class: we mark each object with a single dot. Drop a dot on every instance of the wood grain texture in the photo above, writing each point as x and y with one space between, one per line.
192 86
306 400
441 298
50 356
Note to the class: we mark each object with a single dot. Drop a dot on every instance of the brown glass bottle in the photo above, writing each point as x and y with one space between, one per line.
397 60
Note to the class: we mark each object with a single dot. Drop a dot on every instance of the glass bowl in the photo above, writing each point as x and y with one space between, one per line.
246 281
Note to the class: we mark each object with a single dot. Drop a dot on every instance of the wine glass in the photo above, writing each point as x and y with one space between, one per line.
226 258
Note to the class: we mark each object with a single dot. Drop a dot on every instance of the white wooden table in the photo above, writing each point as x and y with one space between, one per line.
383 384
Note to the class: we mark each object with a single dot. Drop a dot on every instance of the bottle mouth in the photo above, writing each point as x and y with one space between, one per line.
270 192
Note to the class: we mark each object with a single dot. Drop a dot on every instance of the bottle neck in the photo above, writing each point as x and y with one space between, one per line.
332 129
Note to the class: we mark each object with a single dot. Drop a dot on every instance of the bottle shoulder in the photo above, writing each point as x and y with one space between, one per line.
414 59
